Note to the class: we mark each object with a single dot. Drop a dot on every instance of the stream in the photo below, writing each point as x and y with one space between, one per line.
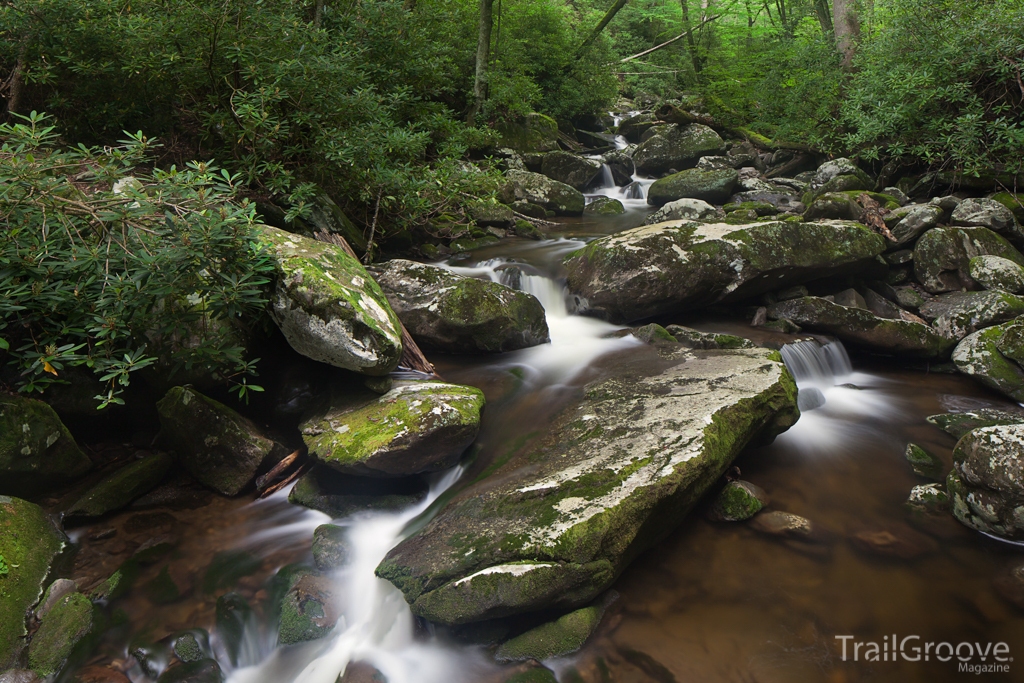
714 602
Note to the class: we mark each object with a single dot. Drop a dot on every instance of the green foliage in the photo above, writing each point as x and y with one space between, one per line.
5 568
107 266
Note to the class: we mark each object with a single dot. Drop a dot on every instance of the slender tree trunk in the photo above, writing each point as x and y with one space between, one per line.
847 29
15 84
318 13
483 54
691 42
609 15
824 14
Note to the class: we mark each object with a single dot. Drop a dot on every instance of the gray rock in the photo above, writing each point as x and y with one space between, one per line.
942 256
570 169
908 222
786 524
621 165
948 203
988 213
993 356
996 272
714 163
958 314
545 532
898 194
331 547
538 189
714 187
676 147
737 501
123 486
452 313
986 486
958 424
707 341
605 206
785 203
833 169
37 452
340 495
677 266
928 498
683 209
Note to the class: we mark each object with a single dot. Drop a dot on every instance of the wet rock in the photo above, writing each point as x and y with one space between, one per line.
993 356
19 676
714 187
650 334
362 672
942 256
57 590
123 486
988 213
605 206
676 147
418 426
894 540
552 195
928 498
986 486
340 495
622 167
558 638
573 170
552 526
203 671
37 453
925 464
683 209
958 424
678 266
532 133
995 272
862 328
785 524
29 544
452 313
907 223
633 127
217 446
695 339
233 615
487 214
65 625
737 501
958 314
331 548
309 610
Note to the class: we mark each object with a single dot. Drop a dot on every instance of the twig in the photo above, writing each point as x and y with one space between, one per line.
277 470
670 41
287 480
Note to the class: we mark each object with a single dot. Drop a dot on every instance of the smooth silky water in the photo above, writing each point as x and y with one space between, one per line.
712 602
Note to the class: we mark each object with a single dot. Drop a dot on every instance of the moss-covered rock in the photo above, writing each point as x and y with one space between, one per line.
1013 202
958 314
942 256
123 486
29 543
340 495
37 453
993 356
491 214
986 486
925 464
556 520
844 205
737 501
571 169
552 195
633 127
63 627
652 333
678 266
416 427
565 635
218 447
605 206
695 339
452 313
988 213
907 223
958 424
676 147
714 187
683 210
996 272
861 328
331 547
309 609
534 133
836 175
328 307
928 498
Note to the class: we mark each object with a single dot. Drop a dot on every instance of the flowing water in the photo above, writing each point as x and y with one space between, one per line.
712 603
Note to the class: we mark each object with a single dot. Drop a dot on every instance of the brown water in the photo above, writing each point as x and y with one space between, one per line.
714 602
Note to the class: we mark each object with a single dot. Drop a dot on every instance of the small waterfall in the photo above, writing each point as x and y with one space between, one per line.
635 190
814 364
607 179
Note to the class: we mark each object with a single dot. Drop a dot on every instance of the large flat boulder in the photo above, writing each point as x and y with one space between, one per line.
554 523
958 314
536 188
860 327
451 313
37 452
677 266
328 307
571 169
714 186
676 147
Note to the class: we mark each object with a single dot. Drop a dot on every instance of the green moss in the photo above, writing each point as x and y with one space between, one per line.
605 206
123 486
331 547
305 610
1012 202
736 502
713 187
534 133
553 639
958 424
62 629
536 675
925 464
37 452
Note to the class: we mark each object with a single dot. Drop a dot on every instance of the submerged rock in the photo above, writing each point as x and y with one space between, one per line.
63 627
928 498
958 314
678 266
894 540
695 339
555 523
203 671
605 206
676 147
925 464
958 424
986 485
309 610
710 186
942 256
538 189
785 524
29 543
996 272
123 486
340 495
328 307
860 327
452 313
416 427
685 210
217 446
37 453
331 548
993 356
739 500
570 169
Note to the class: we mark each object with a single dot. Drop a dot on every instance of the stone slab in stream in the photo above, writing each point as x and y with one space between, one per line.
678 265
553 524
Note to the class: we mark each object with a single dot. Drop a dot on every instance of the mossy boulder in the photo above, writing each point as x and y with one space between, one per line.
683 210
605 206
219 447
714 187
677 266
986 486
536 188
907 223
309 609
844 205
558 638
326 216
123 486
571 169
676 147
988 213
340 495
29 544
331 547
37 452
63 627
996 272
695 339
861 328
328 307
491 214
994 357
958 314
533 133
737 501
836 175
452 313
958 424
942 256
633 127
1012 202
928 499
555 521
924 463
418 426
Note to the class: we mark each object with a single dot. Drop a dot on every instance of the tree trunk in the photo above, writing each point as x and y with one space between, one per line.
824 14
847 29
318 13
691 42
483 54
14 83
605 20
